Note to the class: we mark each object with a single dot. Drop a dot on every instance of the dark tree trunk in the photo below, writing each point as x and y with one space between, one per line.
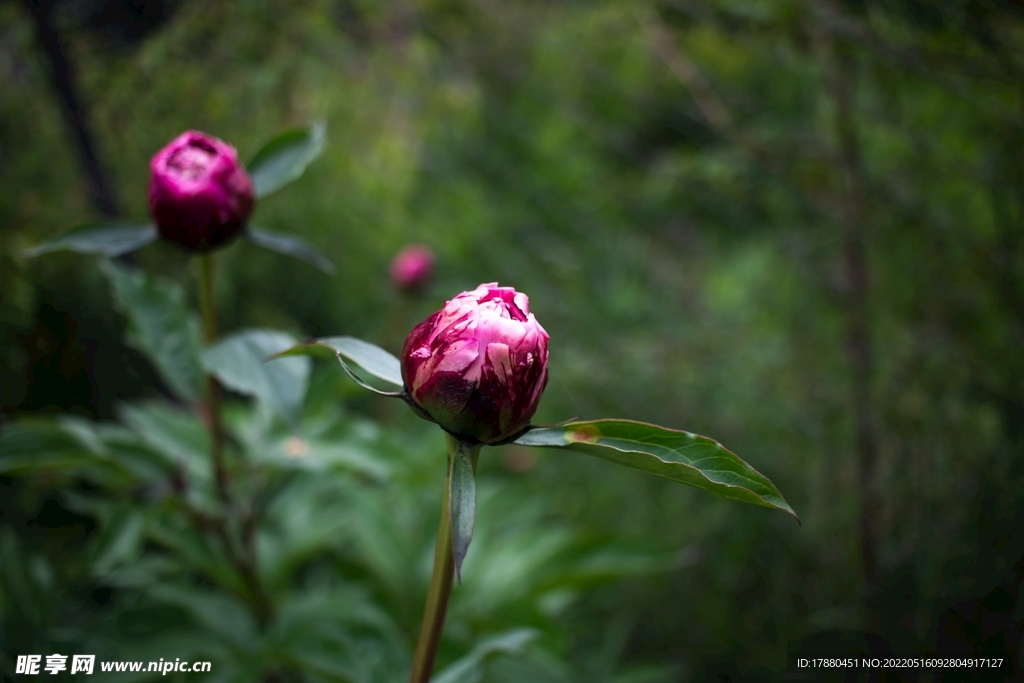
841 83
62 80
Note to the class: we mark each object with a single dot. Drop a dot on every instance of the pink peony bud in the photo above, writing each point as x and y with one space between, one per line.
199 195
412 267
478 366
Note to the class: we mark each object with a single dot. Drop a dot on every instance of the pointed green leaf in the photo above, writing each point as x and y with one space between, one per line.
219 612
176 438
469 669
291 245
680 456
238 362
120 541
364 384
45 448
160 325
284 158
462 499
109 239
369 357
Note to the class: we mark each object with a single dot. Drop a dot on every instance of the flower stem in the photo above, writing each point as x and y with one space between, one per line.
213 405
440 579
241 552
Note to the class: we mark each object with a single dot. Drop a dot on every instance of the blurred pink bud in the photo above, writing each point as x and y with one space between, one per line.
478 366
412 267
199 195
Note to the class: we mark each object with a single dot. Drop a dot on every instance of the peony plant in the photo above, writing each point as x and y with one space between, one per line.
201 198
477 367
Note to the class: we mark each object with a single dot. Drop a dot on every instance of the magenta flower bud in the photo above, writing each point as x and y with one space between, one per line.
199 195
412 267
479 365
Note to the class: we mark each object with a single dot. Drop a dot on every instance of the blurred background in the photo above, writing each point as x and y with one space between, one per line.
796 227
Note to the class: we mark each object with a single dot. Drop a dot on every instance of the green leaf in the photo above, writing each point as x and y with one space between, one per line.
680 456
339 635
109 239
240 363
120 541
369 357
178 437
462 498
195 550
364 384
284 158
291 245
217 612
319 455
469 669
161 325
42 447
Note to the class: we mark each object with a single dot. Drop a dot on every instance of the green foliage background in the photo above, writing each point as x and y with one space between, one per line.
689 273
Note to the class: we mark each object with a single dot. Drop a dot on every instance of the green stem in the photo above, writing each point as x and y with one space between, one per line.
213 404
244 557
440 579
